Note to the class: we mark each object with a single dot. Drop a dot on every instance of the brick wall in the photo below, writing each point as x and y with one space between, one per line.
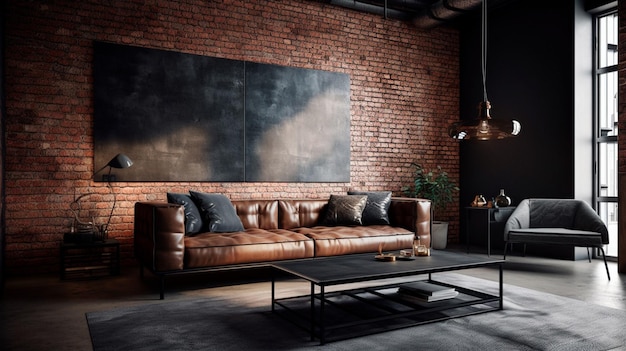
404 92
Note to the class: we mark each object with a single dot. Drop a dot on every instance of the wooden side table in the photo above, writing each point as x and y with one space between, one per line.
86 260
490 215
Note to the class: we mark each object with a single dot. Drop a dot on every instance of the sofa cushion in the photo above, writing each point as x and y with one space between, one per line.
193 219
562 236
218 213
250 246
342 240
345 210
377 206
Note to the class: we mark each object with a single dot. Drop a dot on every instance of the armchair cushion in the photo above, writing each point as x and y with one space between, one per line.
560 236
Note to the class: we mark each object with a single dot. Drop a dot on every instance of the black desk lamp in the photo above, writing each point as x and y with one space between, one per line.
119 161
89 228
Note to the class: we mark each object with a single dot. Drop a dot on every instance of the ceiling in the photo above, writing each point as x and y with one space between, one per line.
422 13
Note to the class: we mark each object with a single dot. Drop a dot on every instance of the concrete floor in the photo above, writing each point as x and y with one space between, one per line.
45 313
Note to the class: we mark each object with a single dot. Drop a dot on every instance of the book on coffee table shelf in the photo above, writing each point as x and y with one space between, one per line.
427 292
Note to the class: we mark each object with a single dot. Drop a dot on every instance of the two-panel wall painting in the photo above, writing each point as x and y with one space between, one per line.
183 117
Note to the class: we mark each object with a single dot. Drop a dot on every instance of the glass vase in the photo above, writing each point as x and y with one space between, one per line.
502 200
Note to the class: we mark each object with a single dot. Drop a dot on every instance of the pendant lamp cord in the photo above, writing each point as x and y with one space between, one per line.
484 49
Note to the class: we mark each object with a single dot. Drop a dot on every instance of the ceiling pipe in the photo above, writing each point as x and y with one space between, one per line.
443 11
434 15
384 11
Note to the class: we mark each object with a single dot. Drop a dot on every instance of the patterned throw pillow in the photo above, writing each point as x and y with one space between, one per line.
377 208
345 210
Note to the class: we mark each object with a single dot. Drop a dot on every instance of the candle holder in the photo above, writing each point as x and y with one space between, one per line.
419 249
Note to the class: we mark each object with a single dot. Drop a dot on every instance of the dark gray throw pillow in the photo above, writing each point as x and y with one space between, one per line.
193 219
218 213
345 210
377 208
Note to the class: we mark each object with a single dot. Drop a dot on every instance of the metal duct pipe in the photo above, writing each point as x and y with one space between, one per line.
377 9
443 11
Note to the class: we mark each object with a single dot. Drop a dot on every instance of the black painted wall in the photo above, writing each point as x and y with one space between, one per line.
530 77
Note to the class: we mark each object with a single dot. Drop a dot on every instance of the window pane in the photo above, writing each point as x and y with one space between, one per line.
607 104
607 40
606 116
607 169
608 213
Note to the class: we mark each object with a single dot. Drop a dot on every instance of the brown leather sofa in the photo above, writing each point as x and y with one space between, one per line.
274 230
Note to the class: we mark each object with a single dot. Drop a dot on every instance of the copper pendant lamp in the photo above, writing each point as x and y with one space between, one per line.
484 127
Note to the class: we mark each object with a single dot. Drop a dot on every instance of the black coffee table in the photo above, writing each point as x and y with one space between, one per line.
378 307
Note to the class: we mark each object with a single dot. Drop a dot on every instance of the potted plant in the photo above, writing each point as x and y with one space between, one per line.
438 188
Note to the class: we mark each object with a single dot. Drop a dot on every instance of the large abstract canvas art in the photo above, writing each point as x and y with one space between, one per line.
183 117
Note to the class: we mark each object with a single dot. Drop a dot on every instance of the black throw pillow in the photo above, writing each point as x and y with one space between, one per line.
345 210
193 219
218 213
377 208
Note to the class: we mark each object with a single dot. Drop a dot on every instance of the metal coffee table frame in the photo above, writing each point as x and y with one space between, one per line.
359 311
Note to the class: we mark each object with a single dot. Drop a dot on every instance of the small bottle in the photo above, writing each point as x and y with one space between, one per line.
502 200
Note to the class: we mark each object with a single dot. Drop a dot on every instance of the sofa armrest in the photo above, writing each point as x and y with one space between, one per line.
588 219
413 214
159 235
519 219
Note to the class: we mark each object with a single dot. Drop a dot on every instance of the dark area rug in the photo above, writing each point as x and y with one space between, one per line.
241 320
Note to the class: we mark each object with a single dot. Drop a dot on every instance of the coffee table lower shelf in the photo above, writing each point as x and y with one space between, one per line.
368 310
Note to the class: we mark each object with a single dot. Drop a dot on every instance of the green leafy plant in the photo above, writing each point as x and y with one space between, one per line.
435 186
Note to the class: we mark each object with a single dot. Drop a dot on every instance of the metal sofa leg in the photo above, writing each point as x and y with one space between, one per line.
605 264
506 246
162 288
588 255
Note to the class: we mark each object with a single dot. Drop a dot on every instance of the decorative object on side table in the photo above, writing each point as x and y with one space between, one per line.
439 189
502 200
479 201
86 230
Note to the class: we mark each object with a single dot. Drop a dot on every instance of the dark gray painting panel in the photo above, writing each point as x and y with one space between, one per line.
179 117
297 124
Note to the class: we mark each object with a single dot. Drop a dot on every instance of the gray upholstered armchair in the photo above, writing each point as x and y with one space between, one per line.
556 221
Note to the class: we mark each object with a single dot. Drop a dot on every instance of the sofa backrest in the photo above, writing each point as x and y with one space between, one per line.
262 214
300 213
409 213
412 214
553 213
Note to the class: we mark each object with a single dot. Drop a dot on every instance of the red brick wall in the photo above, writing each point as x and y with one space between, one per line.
404 92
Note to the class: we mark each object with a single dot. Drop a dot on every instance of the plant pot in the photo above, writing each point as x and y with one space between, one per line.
439 235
